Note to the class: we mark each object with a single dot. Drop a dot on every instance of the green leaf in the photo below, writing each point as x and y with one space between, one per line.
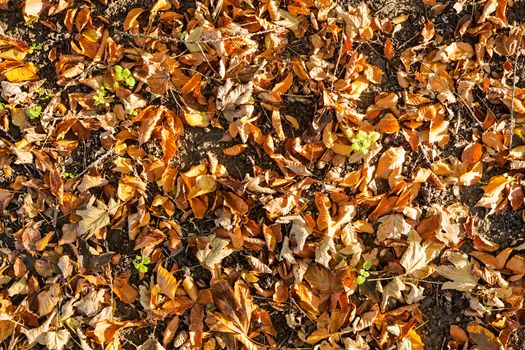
130 81
361 280
367 265
34 113
143 269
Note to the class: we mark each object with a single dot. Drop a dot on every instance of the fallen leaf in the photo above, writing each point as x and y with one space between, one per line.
390 163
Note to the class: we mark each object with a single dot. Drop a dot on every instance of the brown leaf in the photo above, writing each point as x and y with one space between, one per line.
482 337
258 265
150 117
124 291
472 153
389 49
516 264
48 299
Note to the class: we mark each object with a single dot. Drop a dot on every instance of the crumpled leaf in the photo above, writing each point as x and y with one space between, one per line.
214 252
323 250
393 289
299 230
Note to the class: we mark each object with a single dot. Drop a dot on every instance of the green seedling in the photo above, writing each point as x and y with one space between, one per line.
101 98
124 75
132 113
363 272
141 263
42 94
34 112
362 141
2 106
68 175
34 48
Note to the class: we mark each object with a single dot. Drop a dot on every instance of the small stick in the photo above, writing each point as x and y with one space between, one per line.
96 162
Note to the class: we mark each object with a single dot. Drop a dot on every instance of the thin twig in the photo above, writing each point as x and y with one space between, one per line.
95 162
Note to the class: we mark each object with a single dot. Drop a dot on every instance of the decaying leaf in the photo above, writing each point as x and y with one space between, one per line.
460 273
215 251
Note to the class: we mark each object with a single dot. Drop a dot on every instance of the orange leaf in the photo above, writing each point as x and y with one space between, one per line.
390 162
167 282
283 86
124 290
472 153
191 84
428 30
388 49
131 18
388 124
235 150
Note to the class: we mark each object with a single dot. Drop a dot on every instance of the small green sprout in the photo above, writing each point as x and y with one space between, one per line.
141 263
43 95
124 75
133 113
68 175
362 141
34 48
34 112
101 98
363 272
2 106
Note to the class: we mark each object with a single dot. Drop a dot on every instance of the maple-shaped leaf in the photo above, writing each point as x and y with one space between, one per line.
55 340
392 226
460 273
94 218
416 258
394 290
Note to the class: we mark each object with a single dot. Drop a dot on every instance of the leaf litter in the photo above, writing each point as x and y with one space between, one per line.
272 256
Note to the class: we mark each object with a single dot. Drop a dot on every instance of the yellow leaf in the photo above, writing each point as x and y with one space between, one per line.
204 184
24 73
131 18
167 282
415 340
197 119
